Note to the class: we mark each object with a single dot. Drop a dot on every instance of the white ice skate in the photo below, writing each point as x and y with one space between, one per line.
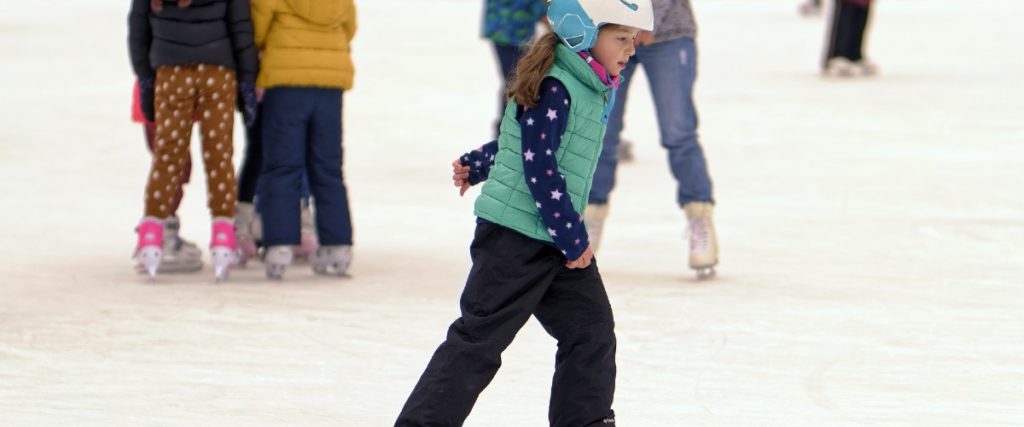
844 68
245 217
332 260
180 255
703 242
593 217
223 247
276 260
149 249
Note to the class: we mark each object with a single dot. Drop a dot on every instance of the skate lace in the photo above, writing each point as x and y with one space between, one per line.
698 233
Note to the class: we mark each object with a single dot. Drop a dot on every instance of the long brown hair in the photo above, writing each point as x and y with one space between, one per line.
524 86
158 5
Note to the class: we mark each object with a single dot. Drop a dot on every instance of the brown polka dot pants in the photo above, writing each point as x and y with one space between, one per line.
206 92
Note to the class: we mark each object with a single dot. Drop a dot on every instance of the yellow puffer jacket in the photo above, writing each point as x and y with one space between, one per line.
304 42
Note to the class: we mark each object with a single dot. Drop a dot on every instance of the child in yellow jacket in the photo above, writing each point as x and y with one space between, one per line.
305 69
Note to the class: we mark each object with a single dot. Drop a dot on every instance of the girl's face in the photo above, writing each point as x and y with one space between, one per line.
614 47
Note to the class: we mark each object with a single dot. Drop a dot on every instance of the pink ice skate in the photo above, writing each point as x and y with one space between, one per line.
223 247
149 249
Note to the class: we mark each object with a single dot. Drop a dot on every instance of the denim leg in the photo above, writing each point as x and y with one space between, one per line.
671 68
604 176
286 112
324 163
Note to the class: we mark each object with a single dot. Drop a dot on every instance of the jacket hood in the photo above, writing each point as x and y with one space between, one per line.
320 11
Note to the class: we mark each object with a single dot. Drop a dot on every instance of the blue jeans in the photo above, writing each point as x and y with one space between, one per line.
302 132
671 68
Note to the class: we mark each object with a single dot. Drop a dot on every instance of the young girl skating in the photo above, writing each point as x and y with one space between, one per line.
191 57
531 255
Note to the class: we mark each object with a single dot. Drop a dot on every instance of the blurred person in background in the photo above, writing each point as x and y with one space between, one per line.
844 56
509 25
669 59
305 70
193 59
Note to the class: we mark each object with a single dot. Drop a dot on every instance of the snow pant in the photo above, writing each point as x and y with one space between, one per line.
671 68
302 132
206 92
514 277
252 163
849 21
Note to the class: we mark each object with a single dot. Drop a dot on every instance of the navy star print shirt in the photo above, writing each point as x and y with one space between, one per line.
542 127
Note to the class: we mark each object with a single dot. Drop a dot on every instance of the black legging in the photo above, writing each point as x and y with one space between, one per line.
847 37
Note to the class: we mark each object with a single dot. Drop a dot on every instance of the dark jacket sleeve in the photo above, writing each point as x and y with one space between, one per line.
240 25
140 38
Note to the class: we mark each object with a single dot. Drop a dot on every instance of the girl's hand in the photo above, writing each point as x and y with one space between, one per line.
583 261
460 175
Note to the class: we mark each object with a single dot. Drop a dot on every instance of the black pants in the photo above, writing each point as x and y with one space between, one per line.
847 36
515 277
252 162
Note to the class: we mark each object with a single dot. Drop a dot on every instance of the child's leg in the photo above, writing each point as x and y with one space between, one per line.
858 24
286 115
253 160
510 275
174 105
323 160
216 107
671 69
149 128
576 312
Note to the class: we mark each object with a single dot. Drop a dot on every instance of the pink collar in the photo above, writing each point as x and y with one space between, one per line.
602 73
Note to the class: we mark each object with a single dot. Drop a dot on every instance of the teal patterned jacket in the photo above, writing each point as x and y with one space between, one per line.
511 22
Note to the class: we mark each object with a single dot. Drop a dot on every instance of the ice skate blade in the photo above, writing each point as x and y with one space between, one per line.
705 273
276 272
333 271
148 260
220 273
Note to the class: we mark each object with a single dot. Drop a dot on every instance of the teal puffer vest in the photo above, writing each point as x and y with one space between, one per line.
505 199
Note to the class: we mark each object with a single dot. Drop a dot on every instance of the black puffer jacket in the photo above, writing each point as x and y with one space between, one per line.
217 32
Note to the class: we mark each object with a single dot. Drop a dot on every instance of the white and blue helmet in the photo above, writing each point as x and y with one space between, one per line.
577 22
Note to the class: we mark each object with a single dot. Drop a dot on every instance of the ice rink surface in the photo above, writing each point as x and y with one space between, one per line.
872 235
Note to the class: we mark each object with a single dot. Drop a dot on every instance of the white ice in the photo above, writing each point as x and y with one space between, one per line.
872 235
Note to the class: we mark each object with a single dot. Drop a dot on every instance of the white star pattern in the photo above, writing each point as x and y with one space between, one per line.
528 155
538 205
568 225
552 114
533 180
529 121
548 152
556 195
553 233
